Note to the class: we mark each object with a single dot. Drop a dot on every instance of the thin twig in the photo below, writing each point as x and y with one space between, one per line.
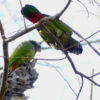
94 75
96 3
66 81
16 31
22 33
34 58
91 35
52 59
91 13
79 73
95 41
23 16
91 91
45 48
67 5
84 6
62 77
80 88
6 63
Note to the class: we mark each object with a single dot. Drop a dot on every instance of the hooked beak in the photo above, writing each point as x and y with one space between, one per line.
39 49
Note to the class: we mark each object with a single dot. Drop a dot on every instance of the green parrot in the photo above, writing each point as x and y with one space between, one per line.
56 28
23 52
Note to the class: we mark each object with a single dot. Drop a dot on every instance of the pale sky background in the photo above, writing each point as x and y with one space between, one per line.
50 85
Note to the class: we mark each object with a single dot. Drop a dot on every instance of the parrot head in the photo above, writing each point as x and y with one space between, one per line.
31 13
36 45
74 46
77 49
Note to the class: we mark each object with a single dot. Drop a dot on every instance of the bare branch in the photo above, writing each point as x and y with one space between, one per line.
22 33
80 88
66 81
79 73
45 48
52 59
2 31
96 3
94 75
36 58
84 6
91 92
23 16
91 35
95 41
62 77
67 5
6 63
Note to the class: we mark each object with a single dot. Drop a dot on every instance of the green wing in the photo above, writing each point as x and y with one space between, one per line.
58 29
25 49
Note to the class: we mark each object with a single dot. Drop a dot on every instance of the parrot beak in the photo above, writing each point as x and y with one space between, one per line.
79 51
38 49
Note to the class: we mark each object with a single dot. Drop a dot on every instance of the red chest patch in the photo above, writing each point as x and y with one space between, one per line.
34 17
13 66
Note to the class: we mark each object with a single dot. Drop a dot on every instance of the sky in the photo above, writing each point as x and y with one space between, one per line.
50 85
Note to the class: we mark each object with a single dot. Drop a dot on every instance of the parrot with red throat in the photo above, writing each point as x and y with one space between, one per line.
24 52
56 27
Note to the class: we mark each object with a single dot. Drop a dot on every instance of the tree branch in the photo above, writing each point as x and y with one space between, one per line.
91 92
91 35
23 16
84 6
80 88
22 33
79 73
95 41
62 78
67 5
6 63
94 75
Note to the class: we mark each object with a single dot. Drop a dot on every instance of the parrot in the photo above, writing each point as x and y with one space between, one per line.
53 28
24 52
